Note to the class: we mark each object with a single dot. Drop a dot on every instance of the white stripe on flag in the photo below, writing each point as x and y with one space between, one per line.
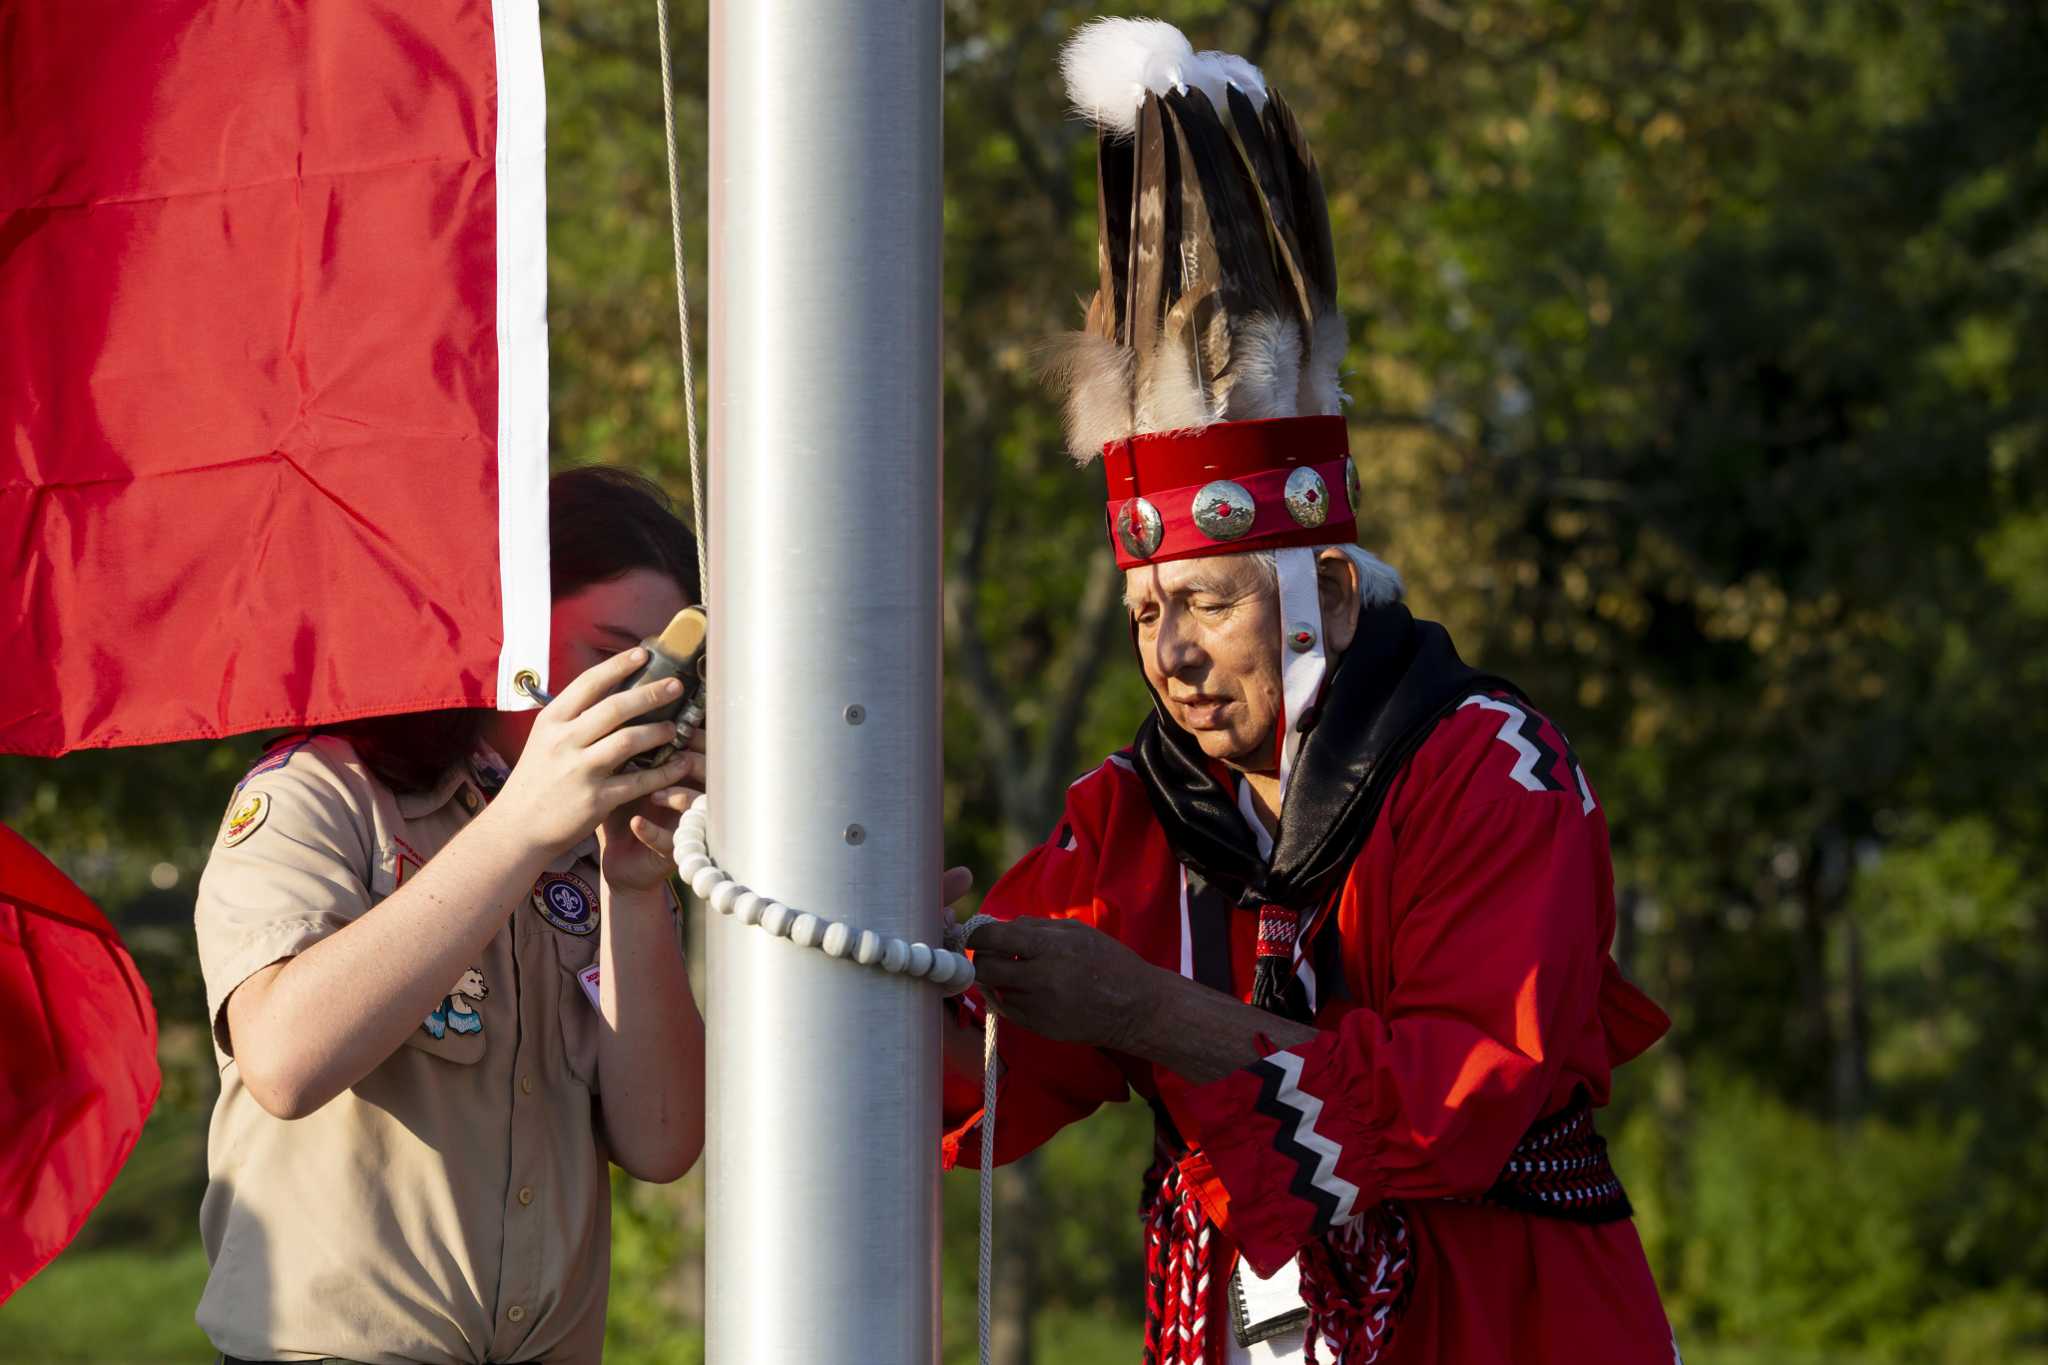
522 346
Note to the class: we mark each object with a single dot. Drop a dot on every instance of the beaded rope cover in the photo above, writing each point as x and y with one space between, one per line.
950 971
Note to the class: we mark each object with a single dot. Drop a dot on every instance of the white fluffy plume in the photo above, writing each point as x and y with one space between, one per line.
1322 383
1265 370
1095 375
1213 73
1110 65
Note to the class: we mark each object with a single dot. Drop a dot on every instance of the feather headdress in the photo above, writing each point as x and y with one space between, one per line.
1216 298
1206 375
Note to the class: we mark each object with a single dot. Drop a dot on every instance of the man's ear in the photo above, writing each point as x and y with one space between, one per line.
1337 592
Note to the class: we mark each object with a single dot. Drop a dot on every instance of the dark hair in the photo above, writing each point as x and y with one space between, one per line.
602 523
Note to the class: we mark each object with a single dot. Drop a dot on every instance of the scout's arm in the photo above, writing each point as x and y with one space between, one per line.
305 1028
650 1044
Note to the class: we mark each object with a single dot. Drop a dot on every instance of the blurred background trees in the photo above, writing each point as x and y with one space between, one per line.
1697 357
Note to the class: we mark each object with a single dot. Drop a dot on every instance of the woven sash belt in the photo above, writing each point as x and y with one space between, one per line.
1560 1170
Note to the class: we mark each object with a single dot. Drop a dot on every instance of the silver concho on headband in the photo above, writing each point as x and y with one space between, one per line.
1139 528
1223 510
1308 499
1351 486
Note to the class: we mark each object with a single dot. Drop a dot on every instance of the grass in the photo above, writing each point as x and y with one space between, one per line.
125 1292
109 1308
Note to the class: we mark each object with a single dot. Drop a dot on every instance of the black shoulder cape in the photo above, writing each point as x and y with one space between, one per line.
1397 680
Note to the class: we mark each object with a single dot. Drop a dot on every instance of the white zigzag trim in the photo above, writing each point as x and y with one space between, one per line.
1294 1097
1510 735
1113 761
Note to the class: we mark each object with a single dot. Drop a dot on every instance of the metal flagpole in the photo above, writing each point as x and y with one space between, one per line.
824 658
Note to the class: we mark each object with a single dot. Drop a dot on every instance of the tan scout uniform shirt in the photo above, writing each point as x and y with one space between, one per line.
453 1205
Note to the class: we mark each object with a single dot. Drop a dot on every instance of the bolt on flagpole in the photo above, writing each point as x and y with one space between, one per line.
824 720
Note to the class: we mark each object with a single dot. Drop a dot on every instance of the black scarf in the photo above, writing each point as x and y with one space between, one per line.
1397 680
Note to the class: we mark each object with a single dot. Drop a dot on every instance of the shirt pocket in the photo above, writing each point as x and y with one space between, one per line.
576 1008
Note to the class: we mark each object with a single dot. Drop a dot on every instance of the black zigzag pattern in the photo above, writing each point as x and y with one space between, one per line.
1288 1143
1578 774
1531 731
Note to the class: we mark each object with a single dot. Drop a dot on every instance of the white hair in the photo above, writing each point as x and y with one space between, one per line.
1379 583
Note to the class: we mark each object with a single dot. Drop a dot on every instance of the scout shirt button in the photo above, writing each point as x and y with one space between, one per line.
515 1313
526 1085
472 801
526 1194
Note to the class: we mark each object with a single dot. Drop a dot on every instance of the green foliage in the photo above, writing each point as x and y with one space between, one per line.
656 1308
1791 1233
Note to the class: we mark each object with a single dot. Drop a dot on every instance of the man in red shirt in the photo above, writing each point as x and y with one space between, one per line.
1341 912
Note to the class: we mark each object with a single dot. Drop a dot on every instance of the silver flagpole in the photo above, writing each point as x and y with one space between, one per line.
824 716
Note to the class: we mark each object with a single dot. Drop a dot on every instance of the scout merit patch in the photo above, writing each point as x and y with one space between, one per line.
248 813
566 901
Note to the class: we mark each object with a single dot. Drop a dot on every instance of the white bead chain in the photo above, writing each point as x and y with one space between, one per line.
946 968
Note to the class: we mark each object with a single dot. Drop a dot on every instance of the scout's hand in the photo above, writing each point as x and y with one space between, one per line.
636 846
565 782
637 843
1063 980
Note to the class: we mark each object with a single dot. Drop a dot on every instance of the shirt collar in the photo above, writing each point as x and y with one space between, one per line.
1252 820
484 773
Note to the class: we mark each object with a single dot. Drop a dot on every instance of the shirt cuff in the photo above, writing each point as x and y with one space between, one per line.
272 943
1271 1163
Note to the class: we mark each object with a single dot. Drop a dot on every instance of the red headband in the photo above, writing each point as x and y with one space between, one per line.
1230 487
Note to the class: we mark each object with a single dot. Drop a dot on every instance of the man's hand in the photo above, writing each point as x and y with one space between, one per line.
1065 980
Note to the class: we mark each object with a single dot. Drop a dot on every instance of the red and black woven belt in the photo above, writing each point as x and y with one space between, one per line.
1560 1170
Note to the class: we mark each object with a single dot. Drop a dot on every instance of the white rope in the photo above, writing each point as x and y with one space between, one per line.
950 971
986 1265
675 230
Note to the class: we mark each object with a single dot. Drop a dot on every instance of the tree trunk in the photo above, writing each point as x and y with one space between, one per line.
1852 1049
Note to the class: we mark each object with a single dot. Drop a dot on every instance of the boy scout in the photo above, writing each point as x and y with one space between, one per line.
440 1008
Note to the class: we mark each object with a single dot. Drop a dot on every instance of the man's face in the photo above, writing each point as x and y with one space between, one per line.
589 627
1209 641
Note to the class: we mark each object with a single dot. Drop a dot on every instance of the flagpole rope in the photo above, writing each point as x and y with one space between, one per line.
675 230
985 1266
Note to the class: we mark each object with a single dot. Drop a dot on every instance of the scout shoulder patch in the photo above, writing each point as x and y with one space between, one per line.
247 814
279 755
566 901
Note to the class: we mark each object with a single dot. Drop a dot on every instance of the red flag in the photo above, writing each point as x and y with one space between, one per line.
273 376
80 1072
